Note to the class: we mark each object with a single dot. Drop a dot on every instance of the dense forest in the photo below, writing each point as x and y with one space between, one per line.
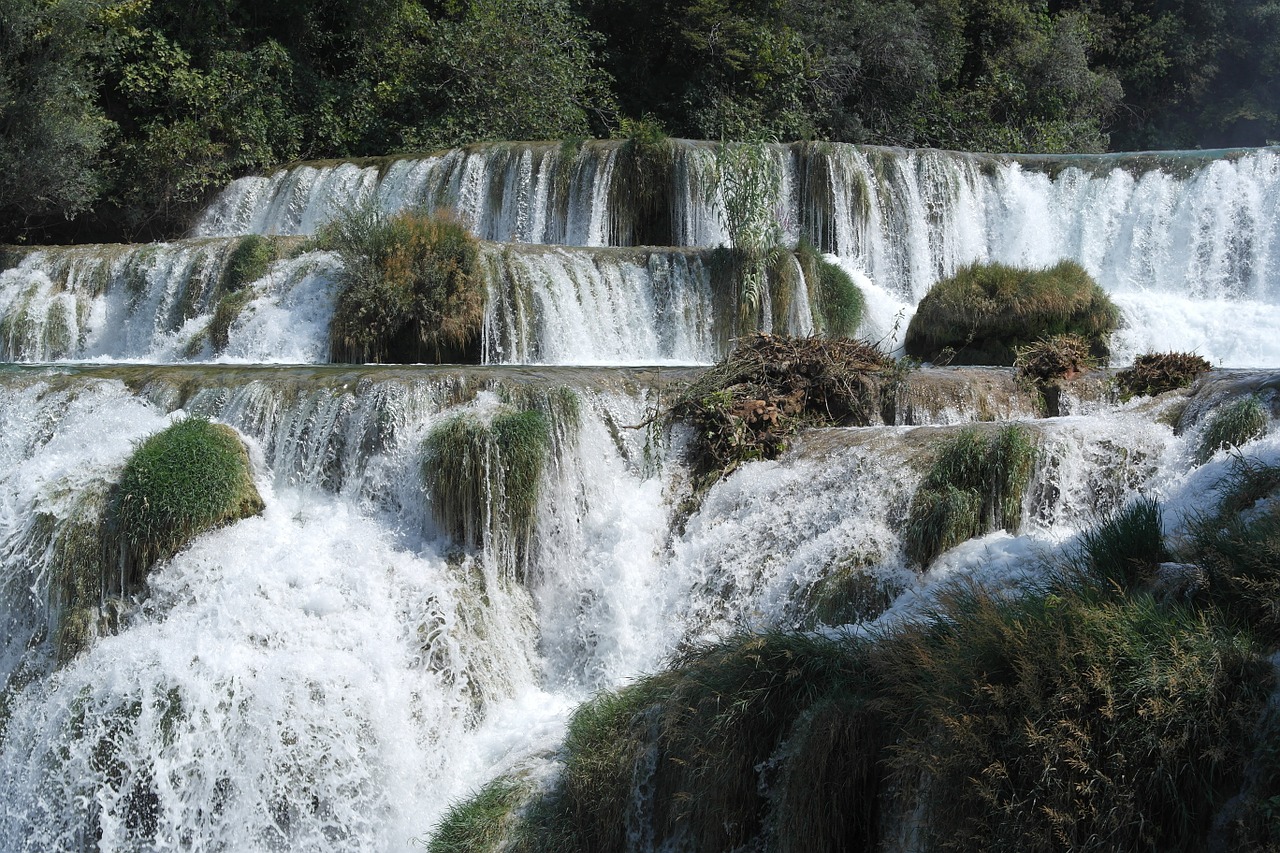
118 117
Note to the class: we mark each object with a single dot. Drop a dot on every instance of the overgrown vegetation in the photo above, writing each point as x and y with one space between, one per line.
1049 362
986 311
749 405
747 180
1080 713
186 479
975 486
247 262
1233 425
1157 372
411 288
484 477
836 301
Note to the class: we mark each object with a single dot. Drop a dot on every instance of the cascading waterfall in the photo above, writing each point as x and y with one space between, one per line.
333 673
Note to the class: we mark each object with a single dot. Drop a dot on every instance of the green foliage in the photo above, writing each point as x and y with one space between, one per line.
1157 372
747 182
985 312
836 301
247 263
186 479
1233 425
1123 552
484 478
52 129
481 823
1054 721
643 184
974 486
411 288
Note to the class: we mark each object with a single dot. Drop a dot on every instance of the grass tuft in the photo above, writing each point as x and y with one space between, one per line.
836 301
186 479
247 263
483 823
1233 425
411 287
975 486
1157 372
985 312
1124 551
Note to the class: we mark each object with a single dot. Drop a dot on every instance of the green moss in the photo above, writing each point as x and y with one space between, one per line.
247 262
484 478
1233 425
975 486
837 302
186 479
483 823
225 314
411 288
1156 373
78 573
847 593
985 312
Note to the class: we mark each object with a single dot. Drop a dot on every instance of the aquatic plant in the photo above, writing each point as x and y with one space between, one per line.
985 312
186 479
836 301
1157 372
1233 425
1124 551
974 486
247 262
483 822
484 477
411 289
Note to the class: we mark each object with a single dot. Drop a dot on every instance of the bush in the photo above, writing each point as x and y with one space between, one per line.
411 288
974 486
1233 425
836 301
985 312
1157 372
484 478
187 479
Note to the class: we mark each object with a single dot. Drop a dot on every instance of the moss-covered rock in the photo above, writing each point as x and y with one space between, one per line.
247 262
836 300
186 479
411 288
985 312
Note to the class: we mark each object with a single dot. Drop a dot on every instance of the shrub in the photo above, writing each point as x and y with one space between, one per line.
1157 372
484 478
837 302
186 479
974 486
1233 425
411 287
985 312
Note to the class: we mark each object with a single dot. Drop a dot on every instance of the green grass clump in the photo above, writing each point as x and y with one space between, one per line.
484 478
411 288
1124 551
247 263
482 823
836 301
186 479
1056 722
974 486
1233 425
1157 372
985 312
224 314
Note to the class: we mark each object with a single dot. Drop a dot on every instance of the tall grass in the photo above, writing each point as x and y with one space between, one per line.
411 287
1233 425
837 302
974 486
